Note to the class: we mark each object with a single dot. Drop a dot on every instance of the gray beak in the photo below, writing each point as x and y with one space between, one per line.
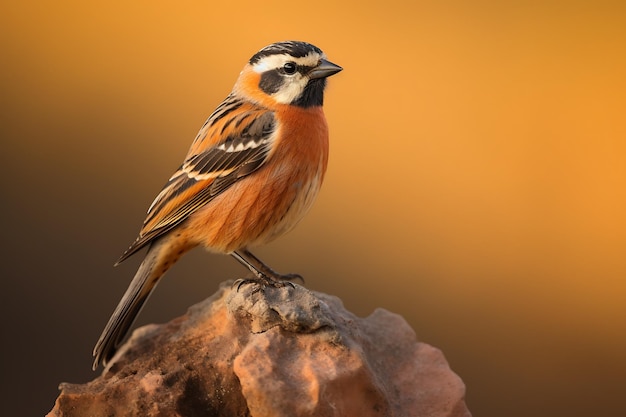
324 69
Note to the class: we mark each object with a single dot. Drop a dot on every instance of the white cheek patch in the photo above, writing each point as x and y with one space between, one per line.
292 86
291 89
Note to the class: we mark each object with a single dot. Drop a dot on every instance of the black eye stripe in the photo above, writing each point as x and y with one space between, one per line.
271 81
302 69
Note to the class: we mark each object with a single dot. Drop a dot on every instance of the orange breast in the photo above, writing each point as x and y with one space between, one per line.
272 200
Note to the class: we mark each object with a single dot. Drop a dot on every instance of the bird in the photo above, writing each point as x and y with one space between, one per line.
252 172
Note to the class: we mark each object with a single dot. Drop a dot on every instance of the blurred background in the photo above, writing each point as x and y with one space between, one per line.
477 180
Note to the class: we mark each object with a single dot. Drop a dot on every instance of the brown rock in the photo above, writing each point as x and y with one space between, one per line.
271 352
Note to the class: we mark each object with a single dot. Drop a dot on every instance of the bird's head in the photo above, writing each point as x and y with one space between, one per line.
286 73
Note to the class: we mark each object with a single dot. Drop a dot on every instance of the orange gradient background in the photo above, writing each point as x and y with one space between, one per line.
477 180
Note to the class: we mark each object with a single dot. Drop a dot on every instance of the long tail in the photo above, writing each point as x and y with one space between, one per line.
148 275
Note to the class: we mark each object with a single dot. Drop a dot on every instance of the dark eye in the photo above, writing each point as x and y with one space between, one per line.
290 68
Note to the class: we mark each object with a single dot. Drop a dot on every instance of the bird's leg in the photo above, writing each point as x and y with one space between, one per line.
263 273
252 261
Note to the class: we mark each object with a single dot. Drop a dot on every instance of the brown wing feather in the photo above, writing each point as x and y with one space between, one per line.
223 152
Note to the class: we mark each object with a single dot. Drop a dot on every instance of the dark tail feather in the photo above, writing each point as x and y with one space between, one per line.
142 285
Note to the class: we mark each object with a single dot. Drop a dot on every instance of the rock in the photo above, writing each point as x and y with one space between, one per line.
271 352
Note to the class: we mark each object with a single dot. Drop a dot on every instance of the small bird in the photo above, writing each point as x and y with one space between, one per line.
251 174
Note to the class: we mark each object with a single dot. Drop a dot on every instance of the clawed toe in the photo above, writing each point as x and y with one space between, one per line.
262 282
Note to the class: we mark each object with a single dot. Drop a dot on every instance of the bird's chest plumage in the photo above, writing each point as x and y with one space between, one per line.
296 169
273 199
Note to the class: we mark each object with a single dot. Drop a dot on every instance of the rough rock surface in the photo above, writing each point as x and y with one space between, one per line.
271 352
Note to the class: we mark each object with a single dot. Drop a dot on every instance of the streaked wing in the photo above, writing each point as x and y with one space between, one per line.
234 142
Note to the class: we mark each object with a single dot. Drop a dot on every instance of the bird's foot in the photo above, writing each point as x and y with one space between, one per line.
263 281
